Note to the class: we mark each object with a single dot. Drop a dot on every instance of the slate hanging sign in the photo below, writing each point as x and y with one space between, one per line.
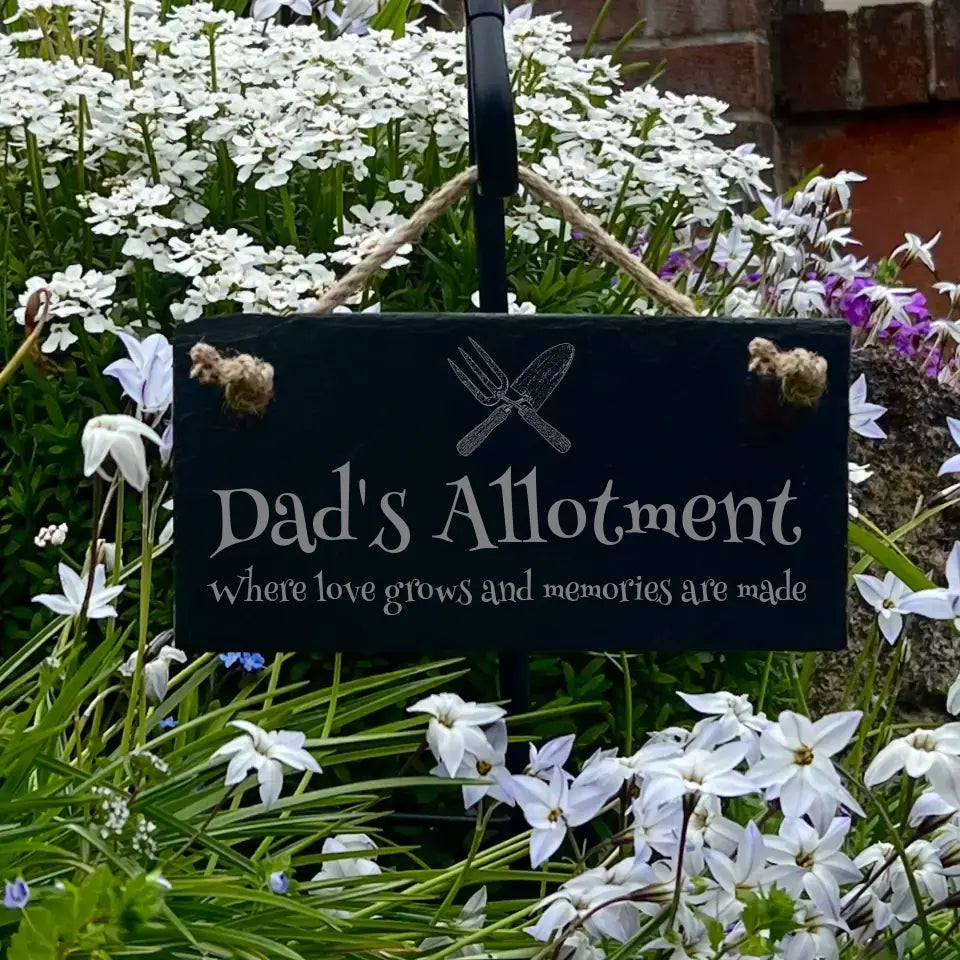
444 482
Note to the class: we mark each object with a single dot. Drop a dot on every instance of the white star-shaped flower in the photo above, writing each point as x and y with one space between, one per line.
267 753
70 602
455 727
863 415
915 248
884 596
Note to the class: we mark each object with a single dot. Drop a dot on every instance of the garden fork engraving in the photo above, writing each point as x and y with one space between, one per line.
490 386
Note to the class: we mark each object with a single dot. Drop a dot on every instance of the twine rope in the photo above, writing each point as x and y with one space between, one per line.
247 381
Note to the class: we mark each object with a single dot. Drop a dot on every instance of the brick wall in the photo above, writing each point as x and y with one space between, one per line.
867 85
715 47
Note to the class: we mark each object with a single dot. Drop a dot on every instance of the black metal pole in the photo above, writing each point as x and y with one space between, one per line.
493 148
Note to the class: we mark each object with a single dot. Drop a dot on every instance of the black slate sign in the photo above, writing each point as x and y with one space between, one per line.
451 483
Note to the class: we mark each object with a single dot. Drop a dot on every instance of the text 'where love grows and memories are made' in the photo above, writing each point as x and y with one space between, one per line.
452 482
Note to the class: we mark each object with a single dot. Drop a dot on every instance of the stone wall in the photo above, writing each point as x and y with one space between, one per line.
854 84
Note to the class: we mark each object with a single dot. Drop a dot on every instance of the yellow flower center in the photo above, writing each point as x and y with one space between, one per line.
803 757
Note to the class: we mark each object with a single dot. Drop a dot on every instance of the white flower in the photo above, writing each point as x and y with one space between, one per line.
522 12
734 877
581 900
929 804
825 188
801 297
734 716
709 828
472 916
345 867
156 674
914 248
550 808
928 872
796 759
70 602
488 765
53 535
689 942
698 771
799 852
732 251
121 437
884 596
916 753
939 603
953 697
256 749
857 473
892 303
554 753
265 9
952 465
820 921
59 338
454 727
863 415
147 376
951 290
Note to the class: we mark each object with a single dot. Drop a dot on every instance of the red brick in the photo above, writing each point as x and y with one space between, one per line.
582 14
684 17
738 73
814 59
946 39
893 54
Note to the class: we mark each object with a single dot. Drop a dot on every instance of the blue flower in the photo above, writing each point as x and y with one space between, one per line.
251 662
279 882
16 895
229 659
168 723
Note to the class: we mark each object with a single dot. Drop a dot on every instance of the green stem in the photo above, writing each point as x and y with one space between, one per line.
481 828
628 704
127 42
904 859
765 682
689 805
334 694
597 26
137 705
289 217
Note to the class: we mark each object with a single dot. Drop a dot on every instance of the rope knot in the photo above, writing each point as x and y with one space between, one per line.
247 381
802 374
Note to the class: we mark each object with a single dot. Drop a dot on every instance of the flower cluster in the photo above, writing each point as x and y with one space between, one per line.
737 817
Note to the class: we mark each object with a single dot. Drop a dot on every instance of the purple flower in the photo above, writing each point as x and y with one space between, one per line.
16 895
932 367
675 263
918 306
229 659
278 882
854 304
168 723
252 662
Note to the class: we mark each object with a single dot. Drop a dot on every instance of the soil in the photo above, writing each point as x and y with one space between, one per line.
905 467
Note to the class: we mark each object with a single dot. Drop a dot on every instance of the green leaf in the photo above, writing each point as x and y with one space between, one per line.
889 557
